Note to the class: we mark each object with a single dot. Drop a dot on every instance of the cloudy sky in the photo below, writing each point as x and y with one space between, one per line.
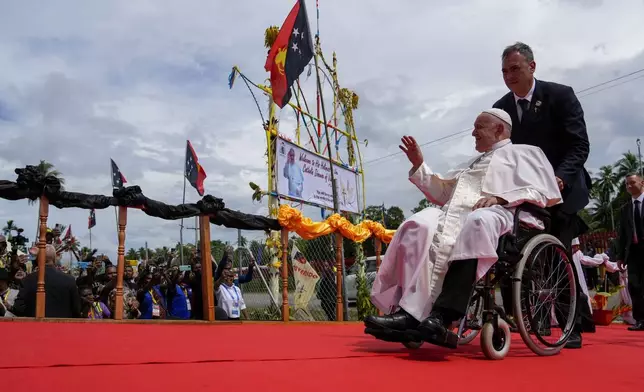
83 81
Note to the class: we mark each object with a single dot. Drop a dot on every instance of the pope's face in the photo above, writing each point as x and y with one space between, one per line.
517 73
291 156
486 132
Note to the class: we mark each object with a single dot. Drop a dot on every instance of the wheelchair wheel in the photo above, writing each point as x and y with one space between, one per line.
544 295
412 345
495 342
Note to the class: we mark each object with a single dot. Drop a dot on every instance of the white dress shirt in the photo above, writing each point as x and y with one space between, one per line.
528 98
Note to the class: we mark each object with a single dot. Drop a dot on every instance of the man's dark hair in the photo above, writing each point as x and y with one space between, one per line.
521 48
631 174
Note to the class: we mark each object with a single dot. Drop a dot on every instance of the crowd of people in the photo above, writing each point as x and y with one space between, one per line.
157 289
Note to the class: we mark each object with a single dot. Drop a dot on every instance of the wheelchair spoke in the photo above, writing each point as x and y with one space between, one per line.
547 296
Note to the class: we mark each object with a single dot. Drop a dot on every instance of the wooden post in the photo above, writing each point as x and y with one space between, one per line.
42 243
284 270
207 285
120 268
339 308
378 246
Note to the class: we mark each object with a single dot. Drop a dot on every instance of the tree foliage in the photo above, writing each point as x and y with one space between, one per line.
391 218
609 194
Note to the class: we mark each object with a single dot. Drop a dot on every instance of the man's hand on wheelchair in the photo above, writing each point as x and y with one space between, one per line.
489 202
560 183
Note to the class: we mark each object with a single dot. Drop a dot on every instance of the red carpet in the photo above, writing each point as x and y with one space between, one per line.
270 357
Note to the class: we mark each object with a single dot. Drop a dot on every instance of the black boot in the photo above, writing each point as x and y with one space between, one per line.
638 326
574 341
399 321
434 330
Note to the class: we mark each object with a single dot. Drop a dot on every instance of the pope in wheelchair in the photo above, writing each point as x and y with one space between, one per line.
491 223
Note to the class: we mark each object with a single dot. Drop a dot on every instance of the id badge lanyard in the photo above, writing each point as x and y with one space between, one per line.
236 298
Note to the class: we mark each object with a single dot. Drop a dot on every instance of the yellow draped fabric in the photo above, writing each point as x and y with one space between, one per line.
292 220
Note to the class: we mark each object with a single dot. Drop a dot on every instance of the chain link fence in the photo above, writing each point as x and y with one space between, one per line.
312 278
260 284
312 287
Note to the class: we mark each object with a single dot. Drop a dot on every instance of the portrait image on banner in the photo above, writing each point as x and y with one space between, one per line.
306 176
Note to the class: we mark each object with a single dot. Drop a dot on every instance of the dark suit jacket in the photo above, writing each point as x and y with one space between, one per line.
626 232
555 123
62 299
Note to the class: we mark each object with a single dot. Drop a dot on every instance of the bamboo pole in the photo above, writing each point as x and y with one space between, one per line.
339 307
284 271
313 118
42 243
206 270
120 267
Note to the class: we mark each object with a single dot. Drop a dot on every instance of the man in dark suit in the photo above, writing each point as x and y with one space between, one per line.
630 247
62 299
548 115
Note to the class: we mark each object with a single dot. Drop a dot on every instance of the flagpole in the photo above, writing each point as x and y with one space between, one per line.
336 207
183 202
90 239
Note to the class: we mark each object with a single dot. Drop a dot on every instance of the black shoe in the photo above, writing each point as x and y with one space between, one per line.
574 341
638 326
433 330
399 321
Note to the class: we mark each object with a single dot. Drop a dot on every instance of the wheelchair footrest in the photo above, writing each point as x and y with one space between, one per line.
390 335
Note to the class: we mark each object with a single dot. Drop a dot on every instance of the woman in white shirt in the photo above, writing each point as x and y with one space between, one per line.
229 296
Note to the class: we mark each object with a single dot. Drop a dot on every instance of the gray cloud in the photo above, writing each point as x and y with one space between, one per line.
133 80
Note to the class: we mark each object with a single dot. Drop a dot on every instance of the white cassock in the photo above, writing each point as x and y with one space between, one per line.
412 272
293 172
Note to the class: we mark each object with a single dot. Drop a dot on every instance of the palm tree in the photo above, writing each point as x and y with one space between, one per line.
162 253
9 228
626 165
603 192
47 169
132 254
74 247
141 253
605 183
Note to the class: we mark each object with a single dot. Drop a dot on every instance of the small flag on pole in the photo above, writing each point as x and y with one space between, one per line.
195 174
118 179
68 236
232 77
91 221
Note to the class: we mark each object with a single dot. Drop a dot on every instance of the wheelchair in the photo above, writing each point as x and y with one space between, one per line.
544 296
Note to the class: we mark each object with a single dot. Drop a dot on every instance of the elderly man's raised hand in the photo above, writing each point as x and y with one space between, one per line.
412 150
